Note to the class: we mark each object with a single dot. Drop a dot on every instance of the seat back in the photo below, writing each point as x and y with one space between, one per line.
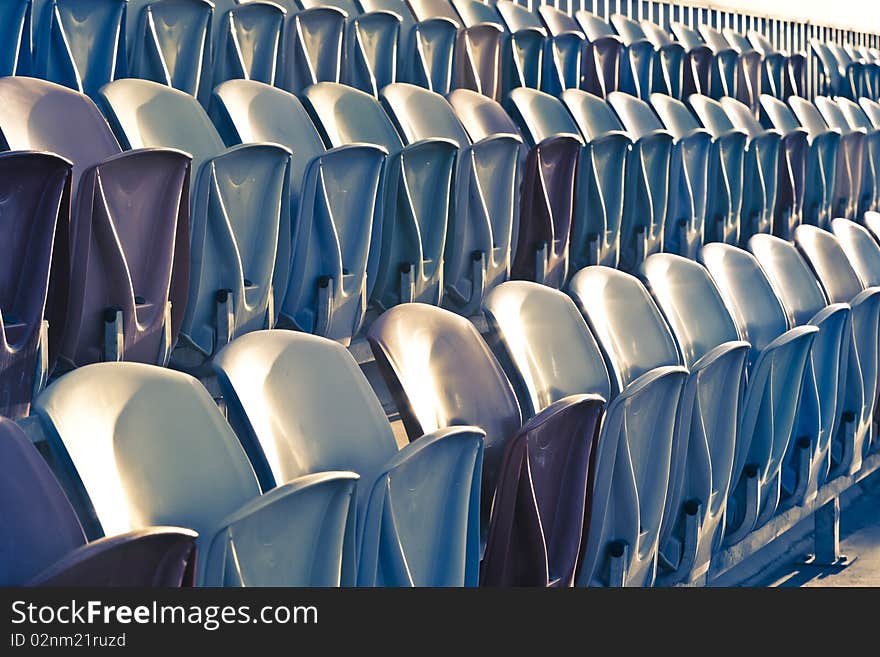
780 115
593 116
313 47
15 51
808 115
247 43
711 114
828 259
741 116
854 114
635 114
480 116
861 249
675 115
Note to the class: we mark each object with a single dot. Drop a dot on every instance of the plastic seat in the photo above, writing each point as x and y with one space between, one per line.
314 45
858 121
240 244
819 147
125 254
842 285
44 543
534 480
564 67
631 488
15 37
549 225
247 41
865 73
696 60
608 65
417 200
724 186
766 469
335 202
477 49
737 75
156 450
486 197
856 153
35 188
691 161
80 43
667 69
649 177
721 61
774 379
837 79
169 42
427 47
822 399
785 71
294 425
527 47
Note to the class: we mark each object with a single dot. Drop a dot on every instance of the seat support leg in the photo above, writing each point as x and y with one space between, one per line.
324 310
113 336
541 252
407 283
618 556
752 504
592 249
225 318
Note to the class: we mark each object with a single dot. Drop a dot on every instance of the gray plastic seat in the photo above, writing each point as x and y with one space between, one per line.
144 445
720 64
857 120
742 69
608 64
247 41
855 149
565 55
785 71
838 78
842 285
667 69
486 192
335 204
774 380
819 147
774 64
849 161
417 199
314 45
527 45
696 59
822 401
294 425
645 367
240 244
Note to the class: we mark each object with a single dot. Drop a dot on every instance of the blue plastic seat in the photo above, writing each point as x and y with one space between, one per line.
314 45
144 445
247 41
16 19
293 425
547 194
720 64
822 402
858 121
608 64
667 69
169 42
774 379
535 474
527 45
335 204
240 240
564 67
740 70
819 147
80 43
480 230
842 285
784 71
855 151
631 489
696 60
837 78
417 197
771 66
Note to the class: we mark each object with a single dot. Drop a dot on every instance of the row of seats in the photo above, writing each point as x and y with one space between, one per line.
193 45
622 433
308 212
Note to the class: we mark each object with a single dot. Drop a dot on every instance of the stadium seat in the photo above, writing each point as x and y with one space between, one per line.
696 60
794 67
247 41
35 188
667 68
820 149
720 73
838 78
529 50
858 121
547 195
314 45
608 65
822 398
335 204
534 481
145 445
776 80
294 425
739 73
417 199
630 491
486 191
15 37
565 51
240 219
771 68
44 543
842 285
128 252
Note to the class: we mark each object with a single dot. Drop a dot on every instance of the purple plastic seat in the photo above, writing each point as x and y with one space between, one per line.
441 373
34 198
42 542
128 254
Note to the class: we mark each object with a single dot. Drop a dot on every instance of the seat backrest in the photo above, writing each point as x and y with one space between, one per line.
861 249
472 13
674 114
761 43
741 116
540 115
593 26
345 115
635 114
149 445
308 406
427 9
656 34
711 114
148 114
480 115
420 113
747 294
737 40
855 115
808 115
691 303
689 38
557 21
517 17
714 38
544 335
780 114
791 277
628 29
398 7
43 116
594 117
872 110
15 38
38 525
625 320
828 260
832 113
